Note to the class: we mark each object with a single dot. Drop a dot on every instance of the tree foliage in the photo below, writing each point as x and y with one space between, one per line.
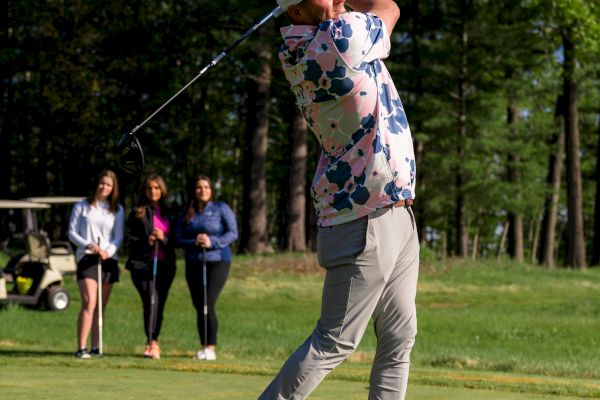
479 81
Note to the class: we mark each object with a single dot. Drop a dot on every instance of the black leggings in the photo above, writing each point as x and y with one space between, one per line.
216 276
142 279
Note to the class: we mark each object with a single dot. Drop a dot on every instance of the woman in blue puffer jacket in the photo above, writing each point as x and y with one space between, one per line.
206 232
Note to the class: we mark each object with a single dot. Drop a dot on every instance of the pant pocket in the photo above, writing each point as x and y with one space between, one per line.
340 244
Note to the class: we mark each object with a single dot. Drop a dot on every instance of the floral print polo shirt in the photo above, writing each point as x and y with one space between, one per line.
349 100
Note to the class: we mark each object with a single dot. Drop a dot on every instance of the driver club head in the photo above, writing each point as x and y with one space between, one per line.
130 155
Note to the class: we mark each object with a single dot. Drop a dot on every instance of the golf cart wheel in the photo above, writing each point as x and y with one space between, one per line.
57 298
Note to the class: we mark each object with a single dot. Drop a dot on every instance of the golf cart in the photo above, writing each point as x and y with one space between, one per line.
31 278
61 251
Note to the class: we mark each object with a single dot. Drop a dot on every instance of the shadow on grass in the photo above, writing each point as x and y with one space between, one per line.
52 353
34 353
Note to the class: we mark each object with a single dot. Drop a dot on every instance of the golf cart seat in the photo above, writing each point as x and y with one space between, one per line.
59 255
60 248
38 246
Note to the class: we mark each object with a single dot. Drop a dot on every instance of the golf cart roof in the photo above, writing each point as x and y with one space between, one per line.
55 199
12 204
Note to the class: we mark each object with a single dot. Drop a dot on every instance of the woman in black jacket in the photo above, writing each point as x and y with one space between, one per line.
147 232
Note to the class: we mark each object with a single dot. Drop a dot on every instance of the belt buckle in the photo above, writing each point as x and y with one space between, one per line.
404 203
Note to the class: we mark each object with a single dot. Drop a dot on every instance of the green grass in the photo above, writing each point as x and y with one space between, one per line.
507 318
486 330
96 381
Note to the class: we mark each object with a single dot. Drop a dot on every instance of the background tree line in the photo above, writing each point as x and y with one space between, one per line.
502 98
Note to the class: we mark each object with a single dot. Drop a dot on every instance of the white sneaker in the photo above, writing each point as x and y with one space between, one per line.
83 354
210 355
200 355
206 354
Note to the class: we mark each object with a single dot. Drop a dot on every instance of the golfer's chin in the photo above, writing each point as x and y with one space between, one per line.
336 12
318 17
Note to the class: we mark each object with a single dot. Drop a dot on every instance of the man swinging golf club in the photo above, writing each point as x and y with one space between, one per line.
362 190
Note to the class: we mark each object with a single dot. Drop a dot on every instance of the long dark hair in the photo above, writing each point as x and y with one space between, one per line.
113 197
194 203
144 201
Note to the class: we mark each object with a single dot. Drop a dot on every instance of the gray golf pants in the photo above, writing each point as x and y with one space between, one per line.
371 267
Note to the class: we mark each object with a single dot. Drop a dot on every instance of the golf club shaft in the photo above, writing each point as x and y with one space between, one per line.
153 304
275 13
204 287
99 302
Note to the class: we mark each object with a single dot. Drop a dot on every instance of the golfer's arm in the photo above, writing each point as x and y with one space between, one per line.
387 10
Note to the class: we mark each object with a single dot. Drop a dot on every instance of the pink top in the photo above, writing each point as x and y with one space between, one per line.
162 223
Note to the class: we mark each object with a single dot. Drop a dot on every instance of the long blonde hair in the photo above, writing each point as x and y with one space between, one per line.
113 197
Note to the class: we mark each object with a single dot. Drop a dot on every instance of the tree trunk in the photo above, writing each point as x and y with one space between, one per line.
475 244
515 234
296 232
535 240
596 252
501 245
553 181
576 247
254 237
461 225
515 237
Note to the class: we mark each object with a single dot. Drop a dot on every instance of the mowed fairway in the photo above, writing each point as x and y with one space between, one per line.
486 331
76 382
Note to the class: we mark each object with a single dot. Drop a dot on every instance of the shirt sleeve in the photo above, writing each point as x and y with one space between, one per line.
74 220
117 233
181 239
230 232
360 38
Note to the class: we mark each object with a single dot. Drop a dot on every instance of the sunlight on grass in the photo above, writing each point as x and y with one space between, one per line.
487 326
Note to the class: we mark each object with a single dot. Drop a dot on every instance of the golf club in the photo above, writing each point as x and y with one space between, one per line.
204 284
153 303
99 303
130 154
